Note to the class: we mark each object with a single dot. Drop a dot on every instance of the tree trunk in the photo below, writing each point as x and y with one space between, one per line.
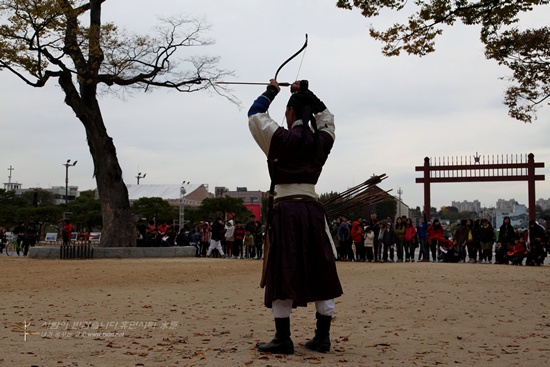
118 227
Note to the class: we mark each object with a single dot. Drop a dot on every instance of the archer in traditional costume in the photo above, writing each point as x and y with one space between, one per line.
300 259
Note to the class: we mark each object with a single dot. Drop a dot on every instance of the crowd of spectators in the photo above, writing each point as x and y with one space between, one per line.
362 240
472 241
232 239
371 240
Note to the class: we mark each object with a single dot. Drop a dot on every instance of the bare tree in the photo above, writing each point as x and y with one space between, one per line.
44 40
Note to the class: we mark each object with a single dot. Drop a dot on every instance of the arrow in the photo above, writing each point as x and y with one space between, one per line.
283 84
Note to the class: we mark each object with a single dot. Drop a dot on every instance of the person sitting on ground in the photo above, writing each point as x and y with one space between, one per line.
500 253
182 239
461 239
535 253
517 252
449 251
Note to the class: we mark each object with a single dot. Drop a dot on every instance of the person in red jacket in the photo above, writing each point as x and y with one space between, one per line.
410 240
435 237
238 236
358 240
516 253
67 231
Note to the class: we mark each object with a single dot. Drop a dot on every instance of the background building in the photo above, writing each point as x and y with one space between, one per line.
519 217
543 203
194 193
252 200
506 205
57 191
467 206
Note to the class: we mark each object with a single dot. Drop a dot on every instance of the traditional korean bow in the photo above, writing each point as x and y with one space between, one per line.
283 84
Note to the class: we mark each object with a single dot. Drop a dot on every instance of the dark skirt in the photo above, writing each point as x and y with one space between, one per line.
301 264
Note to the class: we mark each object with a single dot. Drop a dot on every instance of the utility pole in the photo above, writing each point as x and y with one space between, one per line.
139 176
182 205
67 165
399 192
9 177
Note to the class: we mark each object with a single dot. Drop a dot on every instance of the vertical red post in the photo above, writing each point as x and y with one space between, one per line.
531 186
427 201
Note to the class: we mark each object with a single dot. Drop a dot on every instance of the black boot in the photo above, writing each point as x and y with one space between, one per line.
281 343
321 340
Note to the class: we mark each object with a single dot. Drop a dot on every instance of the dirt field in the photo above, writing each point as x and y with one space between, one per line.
209 312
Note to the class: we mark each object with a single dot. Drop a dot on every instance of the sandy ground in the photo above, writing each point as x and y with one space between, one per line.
209 312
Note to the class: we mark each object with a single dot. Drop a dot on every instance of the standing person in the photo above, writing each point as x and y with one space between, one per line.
19 233
399 238
388 243
344 238
373 223
486 241
435 236
238 238
67 231
258 240
300 264
410 240
250 226
358 239
217 233
422 231
369 243
205 238
334 233
229 231
249 230
248 243
475 240
31 236
470 246
379 241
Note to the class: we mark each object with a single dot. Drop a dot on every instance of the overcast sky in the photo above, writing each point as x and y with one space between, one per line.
390 112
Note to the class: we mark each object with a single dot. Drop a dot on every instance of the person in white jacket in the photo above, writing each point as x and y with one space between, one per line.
369 243
229 229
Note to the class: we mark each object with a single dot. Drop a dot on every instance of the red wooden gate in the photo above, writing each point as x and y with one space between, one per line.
482 169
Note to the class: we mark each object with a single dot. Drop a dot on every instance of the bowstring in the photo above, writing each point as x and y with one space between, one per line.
283 120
